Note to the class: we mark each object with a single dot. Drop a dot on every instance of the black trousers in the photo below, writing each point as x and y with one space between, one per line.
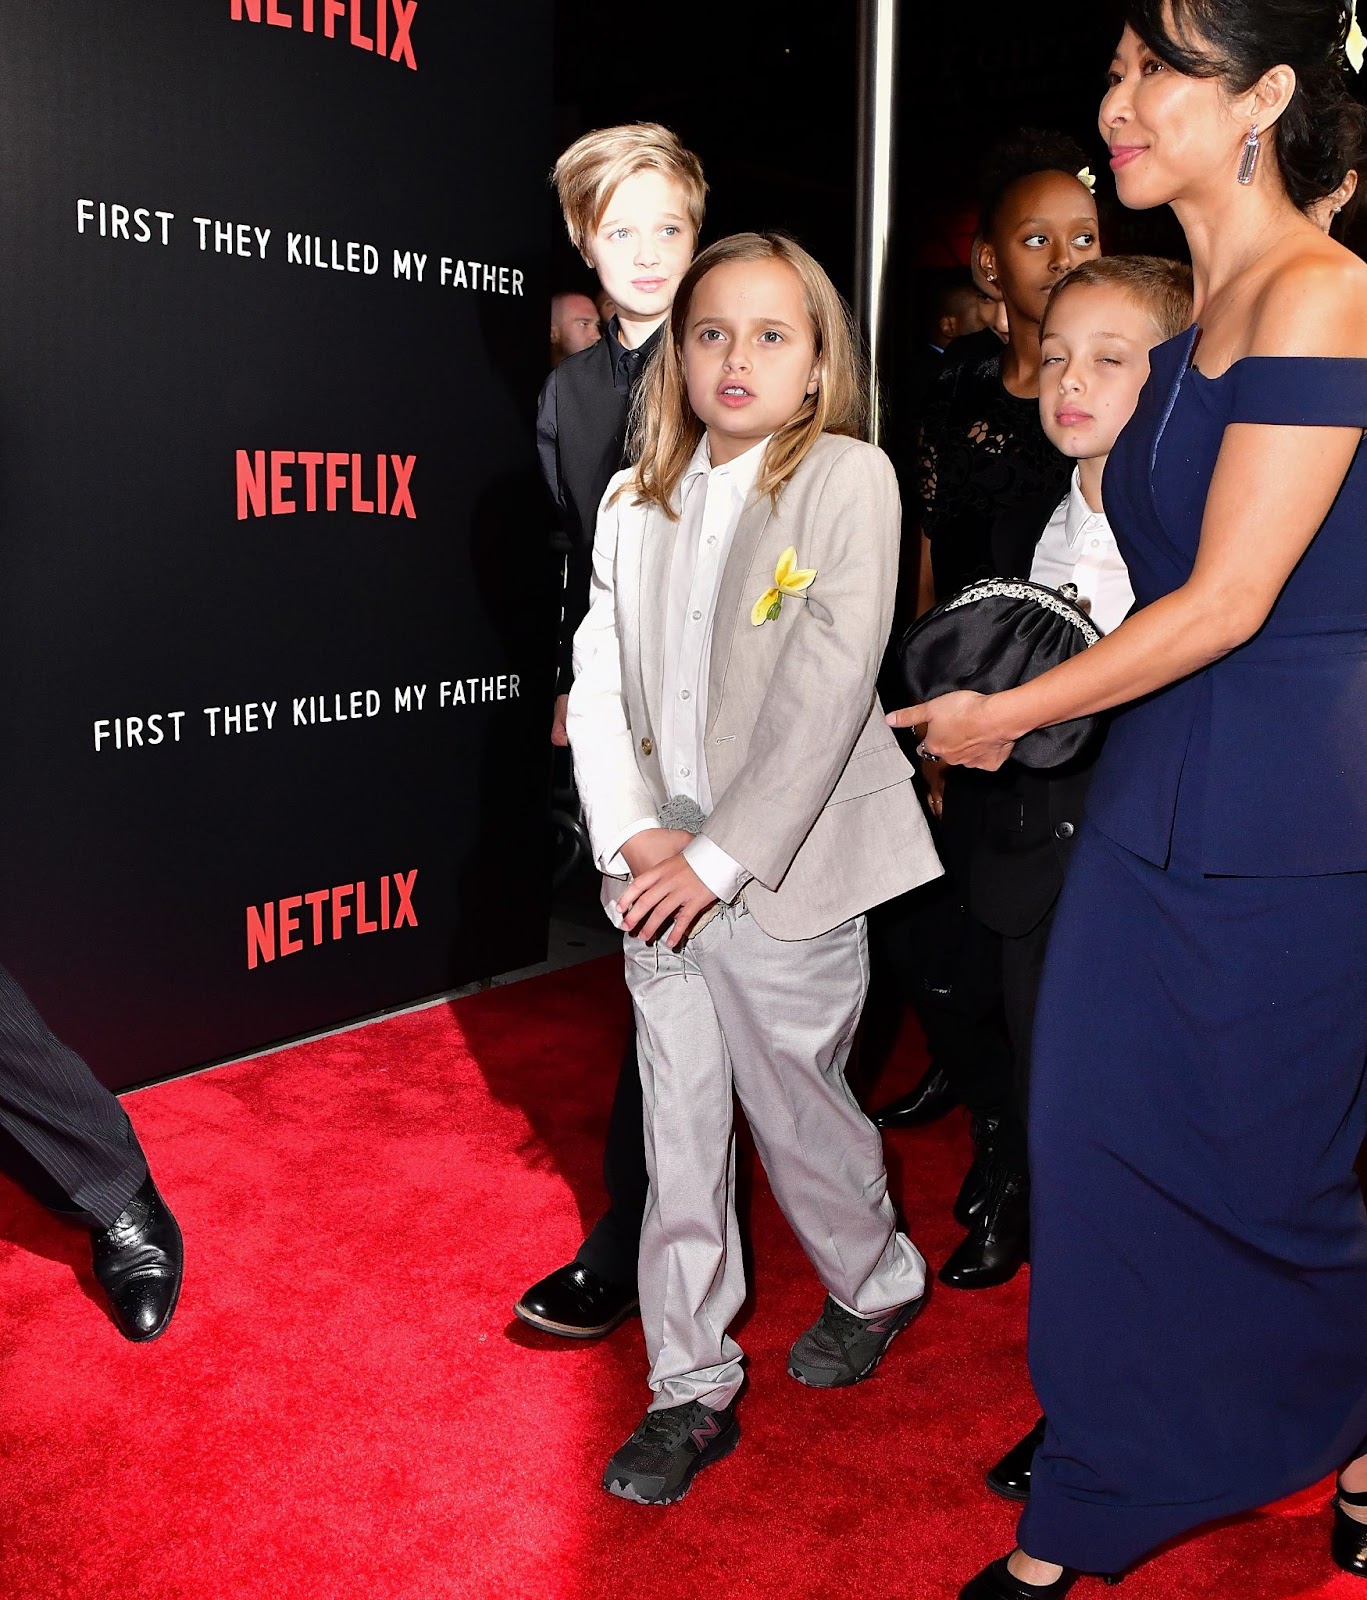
614 1243
63 1135
1022 969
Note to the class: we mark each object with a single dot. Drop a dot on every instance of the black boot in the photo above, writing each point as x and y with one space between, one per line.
139 1259
1010 1478
932 1097
1348 1542
973 1190
999 1240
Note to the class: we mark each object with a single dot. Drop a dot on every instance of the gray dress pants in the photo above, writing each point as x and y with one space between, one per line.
774 1019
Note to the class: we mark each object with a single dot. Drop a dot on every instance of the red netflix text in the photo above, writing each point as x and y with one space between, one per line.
271 483
285 927
390 22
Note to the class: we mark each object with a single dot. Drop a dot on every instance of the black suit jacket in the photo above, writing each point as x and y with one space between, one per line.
1027 820
581 429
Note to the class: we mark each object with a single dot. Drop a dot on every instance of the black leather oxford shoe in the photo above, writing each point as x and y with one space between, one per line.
575 1303
999 1241
1010 1478
927 1102
139 1260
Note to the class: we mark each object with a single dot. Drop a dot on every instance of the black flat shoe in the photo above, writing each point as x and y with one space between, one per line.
139 1260
575 1303
998 1582
930 1100
998 1243
1010 1478
1348 1542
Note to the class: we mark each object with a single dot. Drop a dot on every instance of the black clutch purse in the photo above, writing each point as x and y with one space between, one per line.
994 635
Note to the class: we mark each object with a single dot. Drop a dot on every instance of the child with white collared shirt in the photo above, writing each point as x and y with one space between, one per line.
732 757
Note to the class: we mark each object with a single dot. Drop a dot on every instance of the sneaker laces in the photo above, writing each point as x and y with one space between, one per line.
668 1427
837 1326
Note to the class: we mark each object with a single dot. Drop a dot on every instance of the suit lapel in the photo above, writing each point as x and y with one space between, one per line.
732 597
657 557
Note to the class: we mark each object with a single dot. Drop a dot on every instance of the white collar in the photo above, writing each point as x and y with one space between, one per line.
739 475
1078 514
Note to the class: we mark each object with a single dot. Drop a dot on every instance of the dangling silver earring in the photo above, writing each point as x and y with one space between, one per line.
1248 162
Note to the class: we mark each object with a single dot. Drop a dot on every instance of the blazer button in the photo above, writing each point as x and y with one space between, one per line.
1064 830
647 747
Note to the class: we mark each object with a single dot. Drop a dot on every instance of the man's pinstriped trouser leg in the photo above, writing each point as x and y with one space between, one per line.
64 1121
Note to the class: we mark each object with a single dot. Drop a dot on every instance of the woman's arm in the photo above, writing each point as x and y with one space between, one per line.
1271 490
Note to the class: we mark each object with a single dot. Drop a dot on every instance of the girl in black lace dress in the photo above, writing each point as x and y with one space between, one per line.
982 448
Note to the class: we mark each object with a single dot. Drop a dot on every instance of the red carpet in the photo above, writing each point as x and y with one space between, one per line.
344 1406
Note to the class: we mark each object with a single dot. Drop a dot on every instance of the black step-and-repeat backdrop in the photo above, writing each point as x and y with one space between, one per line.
273 653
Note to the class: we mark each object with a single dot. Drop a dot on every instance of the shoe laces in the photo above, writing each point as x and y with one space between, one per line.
839 1324
669 1426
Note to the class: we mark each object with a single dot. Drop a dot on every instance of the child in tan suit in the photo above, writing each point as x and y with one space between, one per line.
734 764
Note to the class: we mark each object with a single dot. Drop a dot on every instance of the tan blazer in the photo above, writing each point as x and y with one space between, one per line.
811 793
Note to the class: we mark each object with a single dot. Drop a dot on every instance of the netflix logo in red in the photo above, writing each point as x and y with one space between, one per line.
390 22
304 921
270 483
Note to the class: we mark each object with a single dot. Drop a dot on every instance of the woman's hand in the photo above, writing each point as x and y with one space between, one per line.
962 729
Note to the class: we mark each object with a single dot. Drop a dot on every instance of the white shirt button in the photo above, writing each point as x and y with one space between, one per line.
697 616
685 694
711 538
683 772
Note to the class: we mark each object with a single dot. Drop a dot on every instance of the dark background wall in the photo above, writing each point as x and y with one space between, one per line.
767 95
131 375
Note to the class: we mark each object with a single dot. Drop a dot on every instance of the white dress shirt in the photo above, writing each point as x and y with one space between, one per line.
711 502
1078 547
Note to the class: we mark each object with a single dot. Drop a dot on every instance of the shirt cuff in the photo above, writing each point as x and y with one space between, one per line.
611 862
719 872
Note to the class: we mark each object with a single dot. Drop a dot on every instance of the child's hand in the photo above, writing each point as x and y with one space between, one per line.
651 846
671 890
558 734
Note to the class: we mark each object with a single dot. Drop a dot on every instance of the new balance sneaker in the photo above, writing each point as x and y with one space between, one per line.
657 1464
841 1348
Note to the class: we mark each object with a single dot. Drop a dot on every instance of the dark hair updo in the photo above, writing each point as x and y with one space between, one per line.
1323 131
1021 155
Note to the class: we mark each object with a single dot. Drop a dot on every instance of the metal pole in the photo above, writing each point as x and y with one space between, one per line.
877 129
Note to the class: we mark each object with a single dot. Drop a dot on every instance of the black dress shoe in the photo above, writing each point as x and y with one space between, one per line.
927 1102
999 1240
1348 1542
139 1259
973 1191
1010 1478
576 1303
998 1582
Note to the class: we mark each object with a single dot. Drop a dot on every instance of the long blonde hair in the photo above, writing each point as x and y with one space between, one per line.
665 430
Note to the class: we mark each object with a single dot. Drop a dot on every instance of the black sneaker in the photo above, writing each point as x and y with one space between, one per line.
841 1348
655 1467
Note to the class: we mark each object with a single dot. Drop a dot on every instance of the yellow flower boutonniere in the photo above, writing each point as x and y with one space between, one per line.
789 578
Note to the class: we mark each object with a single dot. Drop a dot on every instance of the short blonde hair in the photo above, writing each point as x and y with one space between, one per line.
666 430
588 173
1162 287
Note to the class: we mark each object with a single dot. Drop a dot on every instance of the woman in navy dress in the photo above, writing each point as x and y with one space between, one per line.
1198 1325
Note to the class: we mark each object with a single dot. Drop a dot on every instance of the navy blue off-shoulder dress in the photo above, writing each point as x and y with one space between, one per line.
1198 1313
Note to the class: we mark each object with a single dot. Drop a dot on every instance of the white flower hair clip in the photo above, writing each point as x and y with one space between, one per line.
1087 178
1355 46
